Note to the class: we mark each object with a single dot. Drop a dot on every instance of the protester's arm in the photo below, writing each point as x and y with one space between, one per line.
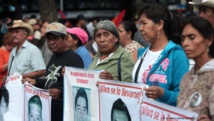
106 75
180 66
55 93
34 74
127 65
29 80
36 82
134 55
37 64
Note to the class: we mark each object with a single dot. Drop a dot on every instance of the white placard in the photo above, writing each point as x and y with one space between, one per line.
80 95
152 110
37 104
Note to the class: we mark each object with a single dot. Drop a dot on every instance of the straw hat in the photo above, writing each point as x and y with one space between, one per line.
197 3
32 21
21 24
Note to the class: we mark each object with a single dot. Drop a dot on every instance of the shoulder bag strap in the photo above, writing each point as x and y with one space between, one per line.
138 68
119 67
8 73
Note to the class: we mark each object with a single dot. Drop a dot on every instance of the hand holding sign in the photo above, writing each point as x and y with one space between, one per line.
154 92
55 93
204 117
29 80
106 75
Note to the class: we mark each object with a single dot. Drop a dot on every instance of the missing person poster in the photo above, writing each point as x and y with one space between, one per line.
37 104
80 95
152 110
120 101
12 102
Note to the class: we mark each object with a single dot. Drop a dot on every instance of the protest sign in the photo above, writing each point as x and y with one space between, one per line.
80 95
120 100
152 110
13 104
37 104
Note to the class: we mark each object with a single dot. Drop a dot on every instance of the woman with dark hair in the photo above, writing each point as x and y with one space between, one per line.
197 86
163 63
127 30
76 40
112 58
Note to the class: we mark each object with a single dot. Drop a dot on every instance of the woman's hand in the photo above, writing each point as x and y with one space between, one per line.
204 117
106 75
154 92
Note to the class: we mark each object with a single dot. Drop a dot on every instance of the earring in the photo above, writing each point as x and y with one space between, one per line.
158 34
208 49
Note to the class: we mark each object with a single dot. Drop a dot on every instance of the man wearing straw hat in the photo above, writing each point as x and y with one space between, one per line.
206 9
25 58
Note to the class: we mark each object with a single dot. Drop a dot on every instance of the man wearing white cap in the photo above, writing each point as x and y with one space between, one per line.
62 56
25 58
206 9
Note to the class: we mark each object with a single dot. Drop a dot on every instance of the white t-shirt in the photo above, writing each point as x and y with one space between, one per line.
149 60
191 63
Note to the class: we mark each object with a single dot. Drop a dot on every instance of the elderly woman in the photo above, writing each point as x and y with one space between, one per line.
112 58
163 63
127 30
197 86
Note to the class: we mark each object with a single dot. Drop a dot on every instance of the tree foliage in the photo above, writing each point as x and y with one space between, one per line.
48 10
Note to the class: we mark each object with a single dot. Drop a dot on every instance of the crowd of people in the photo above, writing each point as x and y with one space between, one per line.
40 51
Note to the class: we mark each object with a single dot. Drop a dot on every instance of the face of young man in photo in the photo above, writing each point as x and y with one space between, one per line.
34 113
81 110
119 115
